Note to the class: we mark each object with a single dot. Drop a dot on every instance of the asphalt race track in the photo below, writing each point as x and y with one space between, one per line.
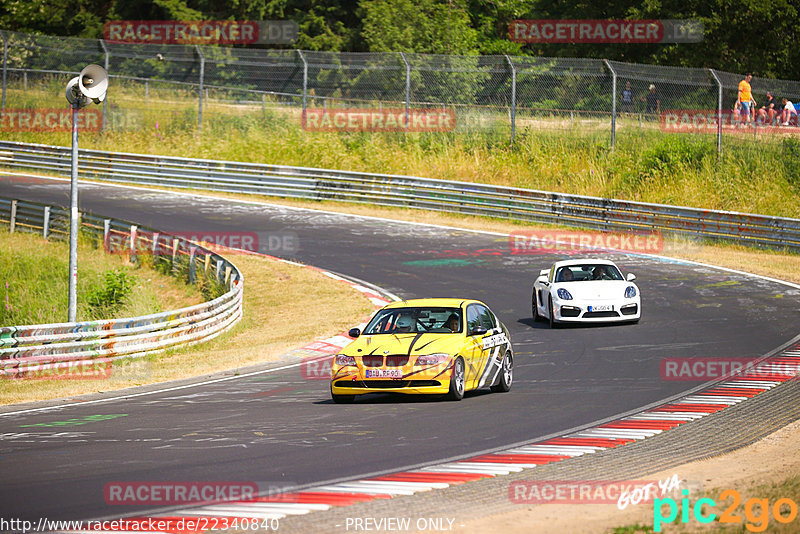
279 429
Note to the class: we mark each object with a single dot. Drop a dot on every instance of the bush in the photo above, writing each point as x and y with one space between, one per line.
106 299
790 156
676 150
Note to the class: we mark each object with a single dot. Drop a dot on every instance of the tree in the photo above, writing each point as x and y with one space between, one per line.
424 26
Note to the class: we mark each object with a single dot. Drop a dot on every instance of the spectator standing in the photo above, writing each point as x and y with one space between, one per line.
627 99
745 98
652 100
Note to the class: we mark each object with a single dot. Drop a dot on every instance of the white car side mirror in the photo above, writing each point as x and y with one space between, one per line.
631 277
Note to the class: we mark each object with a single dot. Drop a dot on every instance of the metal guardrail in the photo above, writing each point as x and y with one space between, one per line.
409 191
31 349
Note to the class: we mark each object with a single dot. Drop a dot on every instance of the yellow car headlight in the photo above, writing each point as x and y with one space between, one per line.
432 359
344 360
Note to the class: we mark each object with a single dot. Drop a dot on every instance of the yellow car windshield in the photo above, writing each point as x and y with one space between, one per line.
436 320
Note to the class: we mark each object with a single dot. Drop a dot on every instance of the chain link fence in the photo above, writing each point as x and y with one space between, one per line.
505 94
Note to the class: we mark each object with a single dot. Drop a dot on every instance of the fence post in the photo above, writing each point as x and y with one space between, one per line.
46 222
220 267
175 244
105 100
13 222
305 87
5 69
192 267
613 102
107 235
134 235
408 86
156 237
719 111
513 97
202 75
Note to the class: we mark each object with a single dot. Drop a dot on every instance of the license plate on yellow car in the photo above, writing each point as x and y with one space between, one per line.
384 373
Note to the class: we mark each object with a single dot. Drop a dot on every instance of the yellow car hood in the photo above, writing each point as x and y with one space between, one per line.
414 343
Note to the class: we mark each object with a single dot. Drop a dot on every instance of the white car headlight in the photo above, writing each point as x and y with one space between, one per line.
563 294
630 292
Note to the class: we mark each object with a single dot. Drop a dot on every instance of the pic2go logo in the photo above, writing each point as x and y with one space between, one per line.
756 511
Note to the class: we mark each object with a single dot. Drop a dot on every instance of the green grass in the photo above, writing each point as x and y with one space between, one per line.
756 176
34 283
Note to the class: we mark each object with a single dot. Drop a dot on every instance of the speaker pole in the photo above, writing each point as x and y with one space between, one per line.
89 86
73 221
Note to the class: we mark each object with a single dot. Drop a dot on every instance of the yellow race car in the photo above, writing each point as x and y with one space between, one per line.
425 346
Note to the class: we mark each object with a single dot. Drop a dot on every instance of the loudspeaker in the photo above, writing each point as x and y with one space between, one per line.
93 82
74 95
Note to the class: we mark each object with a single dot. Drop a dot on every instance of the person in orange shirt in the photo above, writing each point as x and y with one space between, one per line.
746 98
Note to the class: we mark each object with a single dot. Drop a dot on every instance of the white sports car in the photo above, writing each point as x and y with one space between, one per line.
585 290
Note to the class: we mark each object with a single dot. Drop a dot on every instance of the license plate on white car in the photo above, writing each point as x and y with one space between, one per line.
602 307
384 373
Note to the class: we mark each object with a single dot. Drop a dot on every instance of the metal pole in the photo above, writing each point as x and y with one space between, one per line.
202 75
5 69
613 102
408 87
513 98
305 87
73 222
719 111
105 100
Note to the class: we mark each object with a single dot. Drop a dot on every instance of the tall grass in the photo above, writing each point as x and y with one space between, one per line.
758 176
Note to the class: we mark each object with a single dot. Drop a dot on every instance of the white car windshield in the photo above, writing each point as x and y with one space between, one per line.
588 272
405 320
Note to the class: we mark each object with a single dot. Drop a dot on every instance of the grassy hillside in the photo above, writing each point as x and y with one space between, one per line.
759 175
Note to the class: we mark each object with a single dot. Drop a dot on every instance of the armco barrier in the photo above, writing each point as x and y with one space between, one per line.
408 191
26 350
